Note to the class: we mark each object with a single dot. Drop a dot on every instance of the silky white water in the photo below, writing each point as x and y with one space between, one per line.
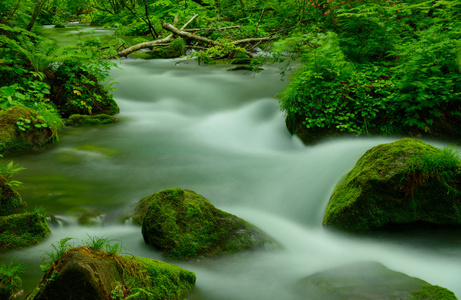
222 135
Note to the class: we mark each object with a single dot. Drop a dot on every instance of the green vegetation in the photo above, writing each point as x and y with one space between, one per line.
433 292
398 183
377 67
23 230
111 275
184 225
10 282
77 120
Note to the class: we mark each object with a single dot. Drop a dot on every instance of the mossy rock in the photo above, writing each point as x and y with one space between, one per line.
12 138
407 181
23 230
69 101
10 285
10 200
368 281
84 273
185 225
245 68
78 120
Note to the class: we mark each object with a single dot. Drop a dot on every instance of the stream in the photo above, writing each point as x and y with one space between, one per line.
222 135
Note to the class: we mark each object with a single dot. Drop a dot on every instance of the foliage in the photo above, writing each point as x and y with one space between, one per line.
389 69
8 171
38 74
443 165
59 248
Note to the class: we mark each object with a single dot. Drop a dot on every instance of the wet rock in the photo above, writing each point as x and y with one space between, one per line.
403 182
77 120
368 281
10 200
23 129
23 230
84 273
185 225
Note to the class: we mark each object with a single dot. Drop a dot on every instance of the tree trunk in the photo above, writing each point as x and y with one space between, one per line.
37 9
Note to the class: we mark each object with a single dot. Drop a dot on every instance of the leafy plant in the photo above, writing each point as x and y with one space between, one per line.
8 171
59 248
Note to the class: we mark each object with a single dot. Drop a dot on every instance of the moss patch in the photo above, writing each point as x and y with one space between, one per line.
97 274
22 230
433 292
10 200
12 138
77 120
396 183
185 225
10 282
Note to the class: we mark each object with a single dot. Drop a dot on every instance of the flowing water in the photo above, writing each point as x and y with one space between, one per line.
222 135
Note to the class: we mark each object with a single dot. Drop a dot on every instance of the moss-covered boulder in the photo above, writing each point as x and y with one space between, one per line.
74 90
10 282
84 273
368 281
21 129
22 230
10 200
403 182
185 225
77 120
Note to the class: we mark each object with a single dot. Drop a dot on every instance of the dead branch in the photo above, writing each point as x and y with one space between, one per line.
189 35
151 44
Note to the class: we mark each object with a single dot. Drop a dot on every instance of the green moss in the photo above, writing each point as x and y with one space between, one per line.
433 292
390 185
10 200
100 274
10 282
14 139
22 230
177 48
185 225
77 120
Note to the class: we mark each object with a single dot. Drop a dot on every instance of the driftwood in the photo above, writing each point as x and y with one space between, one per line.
188 34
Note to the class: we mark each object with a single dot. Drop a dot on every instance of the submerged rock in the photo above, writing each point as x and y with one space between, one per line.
402 182
10 200
22 230
84 273
368 281
77 120
21 129
185 225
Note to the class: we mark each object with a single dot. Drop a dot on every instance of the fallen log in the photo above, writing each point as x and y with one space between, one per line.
188 34
151 44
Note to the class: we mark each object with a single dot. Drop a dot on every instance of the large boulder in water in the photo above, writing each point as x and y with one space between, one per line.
23 129
185 225
10 200
85 273
368 281
23 230
403 182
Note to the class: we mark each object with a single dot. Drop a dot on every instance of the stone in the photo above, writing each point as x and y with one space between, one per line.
184 225
403 182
